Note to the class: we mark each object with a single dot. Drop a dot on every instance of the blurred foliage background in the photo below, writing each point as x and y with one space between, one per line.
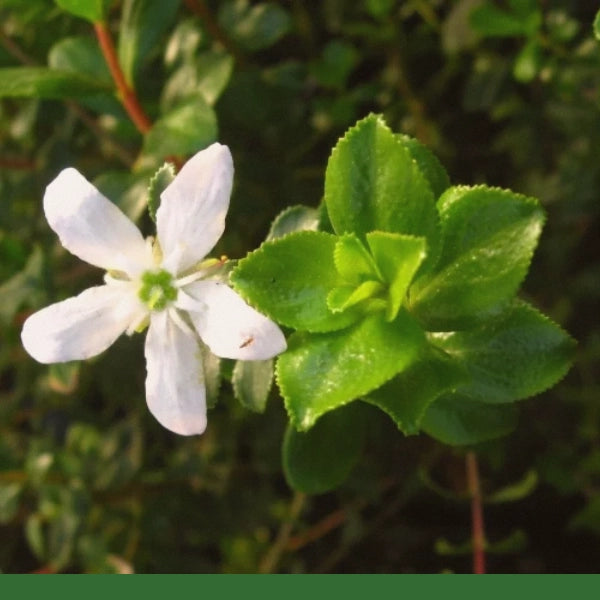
505 92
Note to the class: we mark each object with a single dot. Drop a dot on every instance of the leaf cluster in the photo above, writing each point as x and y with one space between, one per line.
409 302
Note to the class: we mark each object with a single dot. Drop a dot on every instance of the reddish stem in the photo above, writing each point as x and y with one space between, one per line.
478 532
126 92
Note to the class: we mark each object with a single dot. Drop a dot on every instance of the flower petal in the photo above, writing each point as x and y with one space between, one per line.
175 390
231 328
91 227
193 207
80 327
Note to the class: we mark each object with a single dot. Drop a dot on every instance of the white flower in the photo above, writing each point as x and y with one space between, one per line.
158 283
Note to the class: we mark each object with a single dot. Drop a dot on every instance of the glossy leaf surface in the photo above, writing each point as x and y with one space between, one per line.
320 372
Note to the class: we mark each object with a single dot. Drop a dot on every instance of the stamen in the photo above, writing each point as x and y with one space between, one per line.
189 279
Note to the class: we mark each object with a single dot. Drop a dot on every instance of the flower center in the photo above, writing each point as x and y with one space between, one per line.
157 290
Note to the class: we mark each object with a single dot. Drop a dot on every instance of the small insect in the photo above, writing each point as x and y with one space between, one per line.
247 342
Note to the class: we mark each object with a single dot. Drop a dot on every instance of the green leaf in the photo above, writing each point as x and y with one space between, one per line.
128 191
597 26
428 163
252 381
294 218
318 460
379 8
458 421
489 238
406 397
142 24
320 372
398 258
492 21
289 278
353 261
512 357
205 75
515 491
373 183
588 518
64 377
91 10
34 533
528 62
158 184
40 82
183 131
10 494
516 542
334 67
80 55
120 455
23 287
254 27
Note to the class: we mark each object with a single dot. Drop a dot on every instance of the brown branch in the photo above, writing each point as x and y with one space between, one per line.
17 164
271 559
126 92
477 527
15 51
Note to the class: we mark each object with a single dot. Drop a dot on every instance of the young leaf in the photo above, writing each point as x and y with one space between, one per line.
142 24
158 184
318 460
406 397
458 421
341 298
320 372
373 183
512 357
90 10
294 218
353 261
398 258
40 82
288 279
596 26
252 380
489 237
428 163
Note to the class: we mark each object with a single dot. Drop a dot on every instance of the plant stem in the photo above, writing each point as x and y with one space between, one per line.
269 562
126 92
477 527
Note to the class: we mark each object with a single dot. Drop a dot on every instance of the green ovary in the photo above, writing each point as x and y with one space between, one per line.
157 290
